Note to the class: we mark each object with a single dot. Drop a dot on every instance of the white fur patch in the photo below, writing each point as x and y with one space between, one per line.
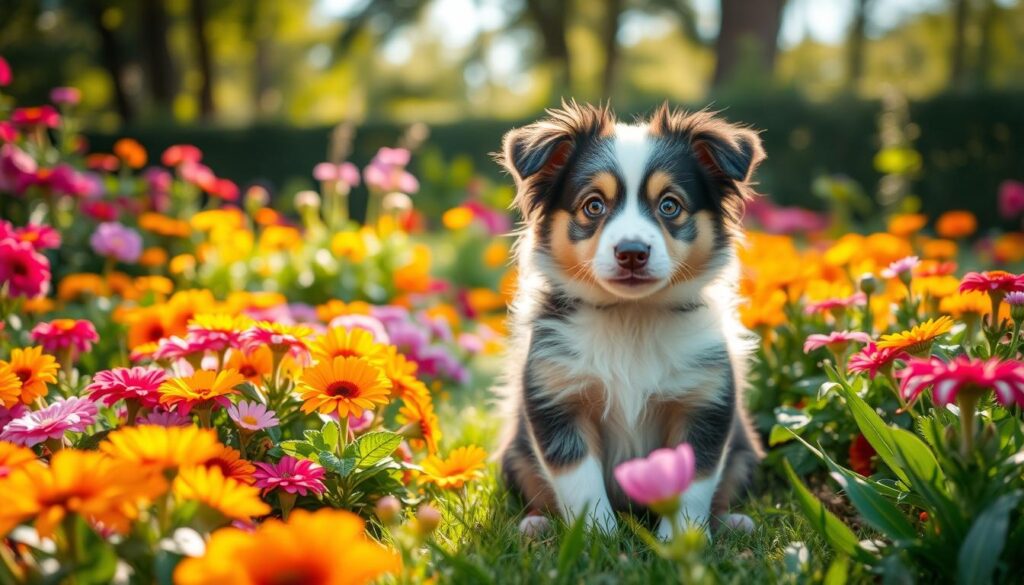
534 526
740 522
582 488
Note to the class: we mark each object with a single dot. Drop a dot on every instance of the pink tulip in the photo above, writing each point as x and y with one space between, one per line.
658 480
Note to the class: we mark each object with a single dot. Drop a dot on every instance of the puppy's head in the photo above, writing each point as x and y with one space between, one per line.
622 211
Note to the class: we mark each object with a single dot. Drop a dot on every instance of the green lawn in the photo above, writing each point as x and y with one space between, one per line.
482 542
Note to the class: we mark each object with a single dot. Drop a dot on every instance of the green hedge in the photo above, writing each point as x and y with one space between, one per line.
970 144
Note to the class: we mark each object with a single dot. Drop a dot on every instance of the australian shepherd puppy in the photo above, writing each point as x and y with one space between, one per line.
624 330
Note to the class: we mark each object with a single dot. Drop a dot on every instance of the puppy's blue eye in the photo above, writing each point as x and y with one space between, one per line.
594 207
669 207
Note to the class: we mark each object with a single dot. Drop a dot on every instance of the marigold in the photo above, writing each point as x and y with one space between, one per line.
147 325
87 483
966 303
956 224
35 370
462 465
327 547
939 249
159 447
764 311
163 225
918 339
74 286
346 385
204 388
228 496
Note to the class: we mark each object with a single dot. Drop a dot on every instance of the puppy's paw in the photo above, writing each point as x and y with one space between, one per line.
534 526
740 522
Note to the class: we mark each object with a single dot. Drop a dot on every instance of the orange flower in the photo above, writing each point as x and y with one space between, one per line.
414 277
35 370
252 365
918 339
14 456
202 389
228 496
764 311
962 304
418 412
342 342
231 464
10 386
153 257
1009 248
906 224
462 465
346 385
163 225
130 152
163 448
74 286
939 249
146 325
956 224
336 308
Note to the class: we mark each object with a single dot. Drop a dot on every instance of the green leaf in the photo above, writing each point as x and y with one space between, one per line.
979 554
372 447
98 561
876 432
572 546
779 435
831 528
316 439
298 449
464 570
333 463
837 571
330 434
877 511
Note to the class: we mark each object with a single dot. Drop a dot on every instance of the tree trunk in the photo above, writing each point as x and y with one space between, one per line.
748 28
157 57
855 45
206 106
112 61
984 64
958 60
551 19
611 46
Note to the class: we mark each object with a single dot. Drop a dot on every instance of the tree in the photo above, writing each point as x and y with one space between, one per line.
958 59
749 29
113 60
156 55
610 41
551 18
855 44
197 21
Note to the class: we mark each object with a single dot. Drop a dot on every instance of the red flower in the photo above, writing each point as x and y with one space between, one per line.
5 73
181 154
861 453
948 379
38 116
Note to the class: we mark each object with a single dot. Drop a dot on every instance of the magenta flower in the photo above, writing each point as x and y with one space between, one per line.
36 116
993 281
345 172
835 303
69 181
174 347
836 342
139 383
9 414
962 374
66 96
873 360
73 414
5 73
61 334
658 480
1011 199
294 476
252 416
901 268
116 241
25 271
785 220
17 169
165 418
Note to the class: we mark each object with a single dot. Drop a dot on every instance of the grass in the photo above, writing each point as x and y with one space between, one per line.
480 541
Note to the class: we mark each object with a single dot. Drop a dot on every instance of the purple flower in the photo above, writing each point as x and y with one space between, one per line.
294 476
69 96
901 268
73 414
116 241
497 222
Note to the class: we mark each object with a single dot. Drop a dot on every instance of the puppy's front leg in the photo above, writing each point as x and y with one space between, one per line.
568 449
707 430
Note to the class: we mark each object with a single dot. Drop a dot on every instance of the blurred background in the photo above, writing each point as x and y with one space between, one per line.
868 105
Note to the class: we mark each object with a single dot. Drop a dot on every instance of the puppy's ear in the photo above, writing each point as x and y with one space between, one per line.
536 155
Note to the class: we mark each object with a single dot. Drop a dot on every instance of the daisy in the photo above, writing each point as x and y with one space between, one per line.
279 337
163 448
218 331
346 385
61 334
917 340
141 384
873 360
203 389
837 342
341 342
253 365
174 348
326 546
35 370
73 414
228 496
462 465
291 475
252 416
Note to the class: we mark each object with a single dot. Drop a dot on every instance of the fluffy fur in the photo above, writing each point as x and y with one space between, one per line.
624 329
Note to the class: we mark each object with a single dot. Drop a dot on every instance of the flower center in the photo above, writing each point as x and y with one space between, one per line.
20 269
343 388
24 374
248 371
249 419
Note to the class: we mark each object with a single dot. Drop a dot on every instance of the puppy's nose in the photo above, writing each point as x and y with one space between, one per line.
632 254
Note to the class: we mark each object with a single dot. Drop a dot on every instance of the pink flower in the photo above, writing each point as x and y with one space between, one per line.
278 338
116 241
41 236
73 414
181 154
993 281
59 334
36 116
785 220
165 418
873 360
17 169
174 347
948 379
658 480
1011 199
294 476
67 180
225 189
252 416
901 268
1015 299
9 414
69 96
386 172
25 271
345 172
836 342
835 303
212 338
138 383
365 322
5 73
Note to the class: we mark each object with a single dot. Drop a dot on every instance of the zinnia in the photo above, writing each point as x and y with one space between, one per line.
291 475
659 479
73 414
873 360
837 342
61 334
23 269
140 384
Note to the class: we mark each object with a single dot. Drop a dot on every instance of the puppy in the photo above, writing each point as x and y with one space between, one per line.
624 334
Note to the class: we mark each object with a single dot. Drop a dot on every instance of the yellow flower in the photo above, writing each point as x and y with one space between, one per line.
279 238
150 446
14 456
342 342
414 277
327 547
418 411
228 218
906 224
184 305
350 246
202 388
336 308
457 218
346 385
956 224
496 254
918 339
87 483
462 465
935 286
764 311
401 372
75 286
220 323
966 303
35 370
228 496
253 365
10 386
182 263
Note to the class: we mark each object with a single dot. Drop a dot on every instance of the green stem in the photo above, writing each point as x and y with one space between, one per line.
968 401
